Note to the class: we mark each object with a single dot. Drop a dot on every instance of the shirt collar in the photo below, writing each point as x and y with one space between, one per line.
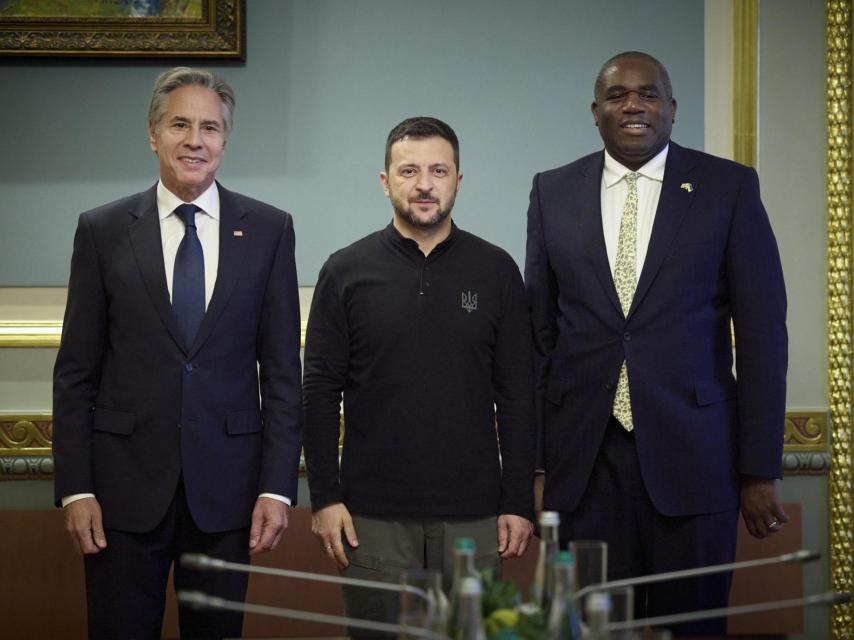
398 239
653 169
167 201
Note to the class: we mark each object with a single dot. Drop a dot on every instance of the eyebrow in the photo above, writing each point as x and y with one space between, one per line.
644 87
187 121
415 165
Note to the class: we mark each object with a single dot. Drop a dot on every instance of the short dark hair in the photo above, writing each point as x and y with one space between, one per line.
419 128
597 86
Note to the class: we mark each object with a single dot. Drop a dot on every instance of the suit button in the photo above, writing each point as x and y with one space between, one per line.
609 386
627 336
189 366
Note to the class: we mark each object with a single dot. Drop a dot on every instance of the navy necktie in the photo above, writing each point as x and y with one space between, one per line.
188 279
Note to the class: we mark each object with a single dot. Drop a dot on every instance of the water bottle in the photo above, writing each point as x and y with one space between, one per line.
463 567
564 621
542 591
469 621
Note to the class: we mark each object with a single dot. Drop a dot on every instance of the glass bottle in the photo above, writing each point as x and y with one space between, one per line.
542 590
463 567
468 624
597 606
564 621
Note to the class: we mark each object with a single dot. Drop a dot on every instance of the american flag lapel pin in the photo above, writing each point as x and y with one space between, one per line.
238 233
687 186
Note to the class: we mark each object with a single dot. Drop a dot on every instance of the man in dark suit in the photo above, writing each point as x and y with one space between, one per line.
178 297
638 260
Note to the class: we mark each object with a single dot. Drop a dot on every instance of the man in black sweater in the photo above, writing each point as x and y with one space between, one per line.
424 329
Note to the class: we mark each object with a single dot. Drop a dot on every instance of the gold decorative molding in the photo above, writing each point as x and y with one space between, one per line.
806 431
25 446
26 434
46 333
806 444
42 333
745 36
839 316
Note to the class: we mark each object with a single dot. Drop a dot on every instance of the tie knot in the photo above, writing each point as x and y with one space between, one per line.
187 213
631 178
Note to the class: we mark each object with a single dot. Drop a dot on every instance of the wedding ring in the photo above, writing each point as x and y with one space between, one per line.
774 525
329 548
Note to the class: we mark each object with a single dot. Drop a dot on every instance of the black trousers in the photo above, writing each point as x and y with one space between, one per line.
126 582
616 508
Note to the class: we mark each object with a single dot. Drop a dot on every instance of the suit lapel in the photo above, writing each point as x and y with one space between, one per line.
589 196
144 232
231 251
673 204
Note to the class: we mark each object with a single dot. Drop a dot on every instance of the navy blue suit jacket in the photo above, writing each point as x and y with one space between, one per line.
712 259
134 409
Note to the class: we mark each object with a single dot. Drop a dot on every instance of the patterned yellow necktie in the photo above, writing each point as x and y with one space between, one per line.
625 281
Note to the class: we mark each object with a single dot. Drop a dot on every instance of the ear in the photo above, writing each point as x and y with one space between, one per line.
384 183
673 115
152 138
594 109
459 180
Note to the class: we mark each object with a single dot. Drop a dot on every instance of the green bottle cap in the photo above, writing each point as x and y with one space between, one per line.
464 544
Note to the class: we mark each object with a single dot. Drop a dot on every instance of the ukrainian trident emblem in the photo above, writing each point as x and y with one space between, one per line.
469 301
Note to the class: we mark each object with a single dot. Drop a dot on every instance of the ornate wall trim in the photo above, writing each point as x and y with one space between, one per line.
839 317
41 333
25 445
806 444
46 333
745 41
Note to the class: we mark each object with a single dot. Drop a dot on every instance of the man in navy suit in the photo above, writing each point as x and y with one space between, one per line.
639 260
179 297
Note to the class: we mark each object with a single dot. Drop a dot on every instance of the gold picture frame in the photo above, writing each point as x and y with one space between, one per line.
215 29
840 315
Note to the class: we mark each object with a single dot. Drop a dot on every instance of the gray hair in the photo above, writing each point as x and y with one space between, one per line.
179 77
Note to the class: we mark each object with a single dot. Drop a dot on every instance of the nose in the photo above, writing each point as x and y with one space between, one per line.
194 137
424 182
632 102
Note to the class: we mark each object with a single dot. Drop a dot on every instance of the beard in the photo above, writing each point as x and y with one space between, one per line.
403 210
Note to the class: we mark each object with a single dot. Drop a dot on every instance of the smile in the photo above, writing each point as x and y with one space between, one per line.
635 125
192 160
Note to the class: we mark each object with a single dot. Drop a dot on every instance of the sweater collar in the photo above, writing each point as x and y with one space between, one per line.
410 246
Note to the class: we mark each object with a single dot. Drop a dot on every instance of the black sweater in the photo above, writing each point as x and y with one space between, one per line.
424 351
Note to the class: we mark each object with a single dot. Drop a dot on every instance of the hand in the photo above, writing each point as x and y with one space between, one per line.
513 535
84 525
327 523
760 506
269 521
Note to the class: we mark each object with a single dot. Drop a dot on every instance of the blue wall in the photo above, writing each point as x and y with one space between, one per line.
323 83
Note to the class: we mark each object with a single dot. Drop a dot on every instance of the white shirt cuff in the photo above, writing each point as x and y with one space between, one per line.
67 500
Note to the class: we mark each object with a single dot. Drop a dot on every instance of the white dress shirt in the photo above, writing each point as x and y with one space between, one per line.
171 234
614 191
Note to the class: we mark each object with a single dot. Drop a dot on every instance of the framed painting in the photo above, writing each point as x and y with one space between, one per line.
123 28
